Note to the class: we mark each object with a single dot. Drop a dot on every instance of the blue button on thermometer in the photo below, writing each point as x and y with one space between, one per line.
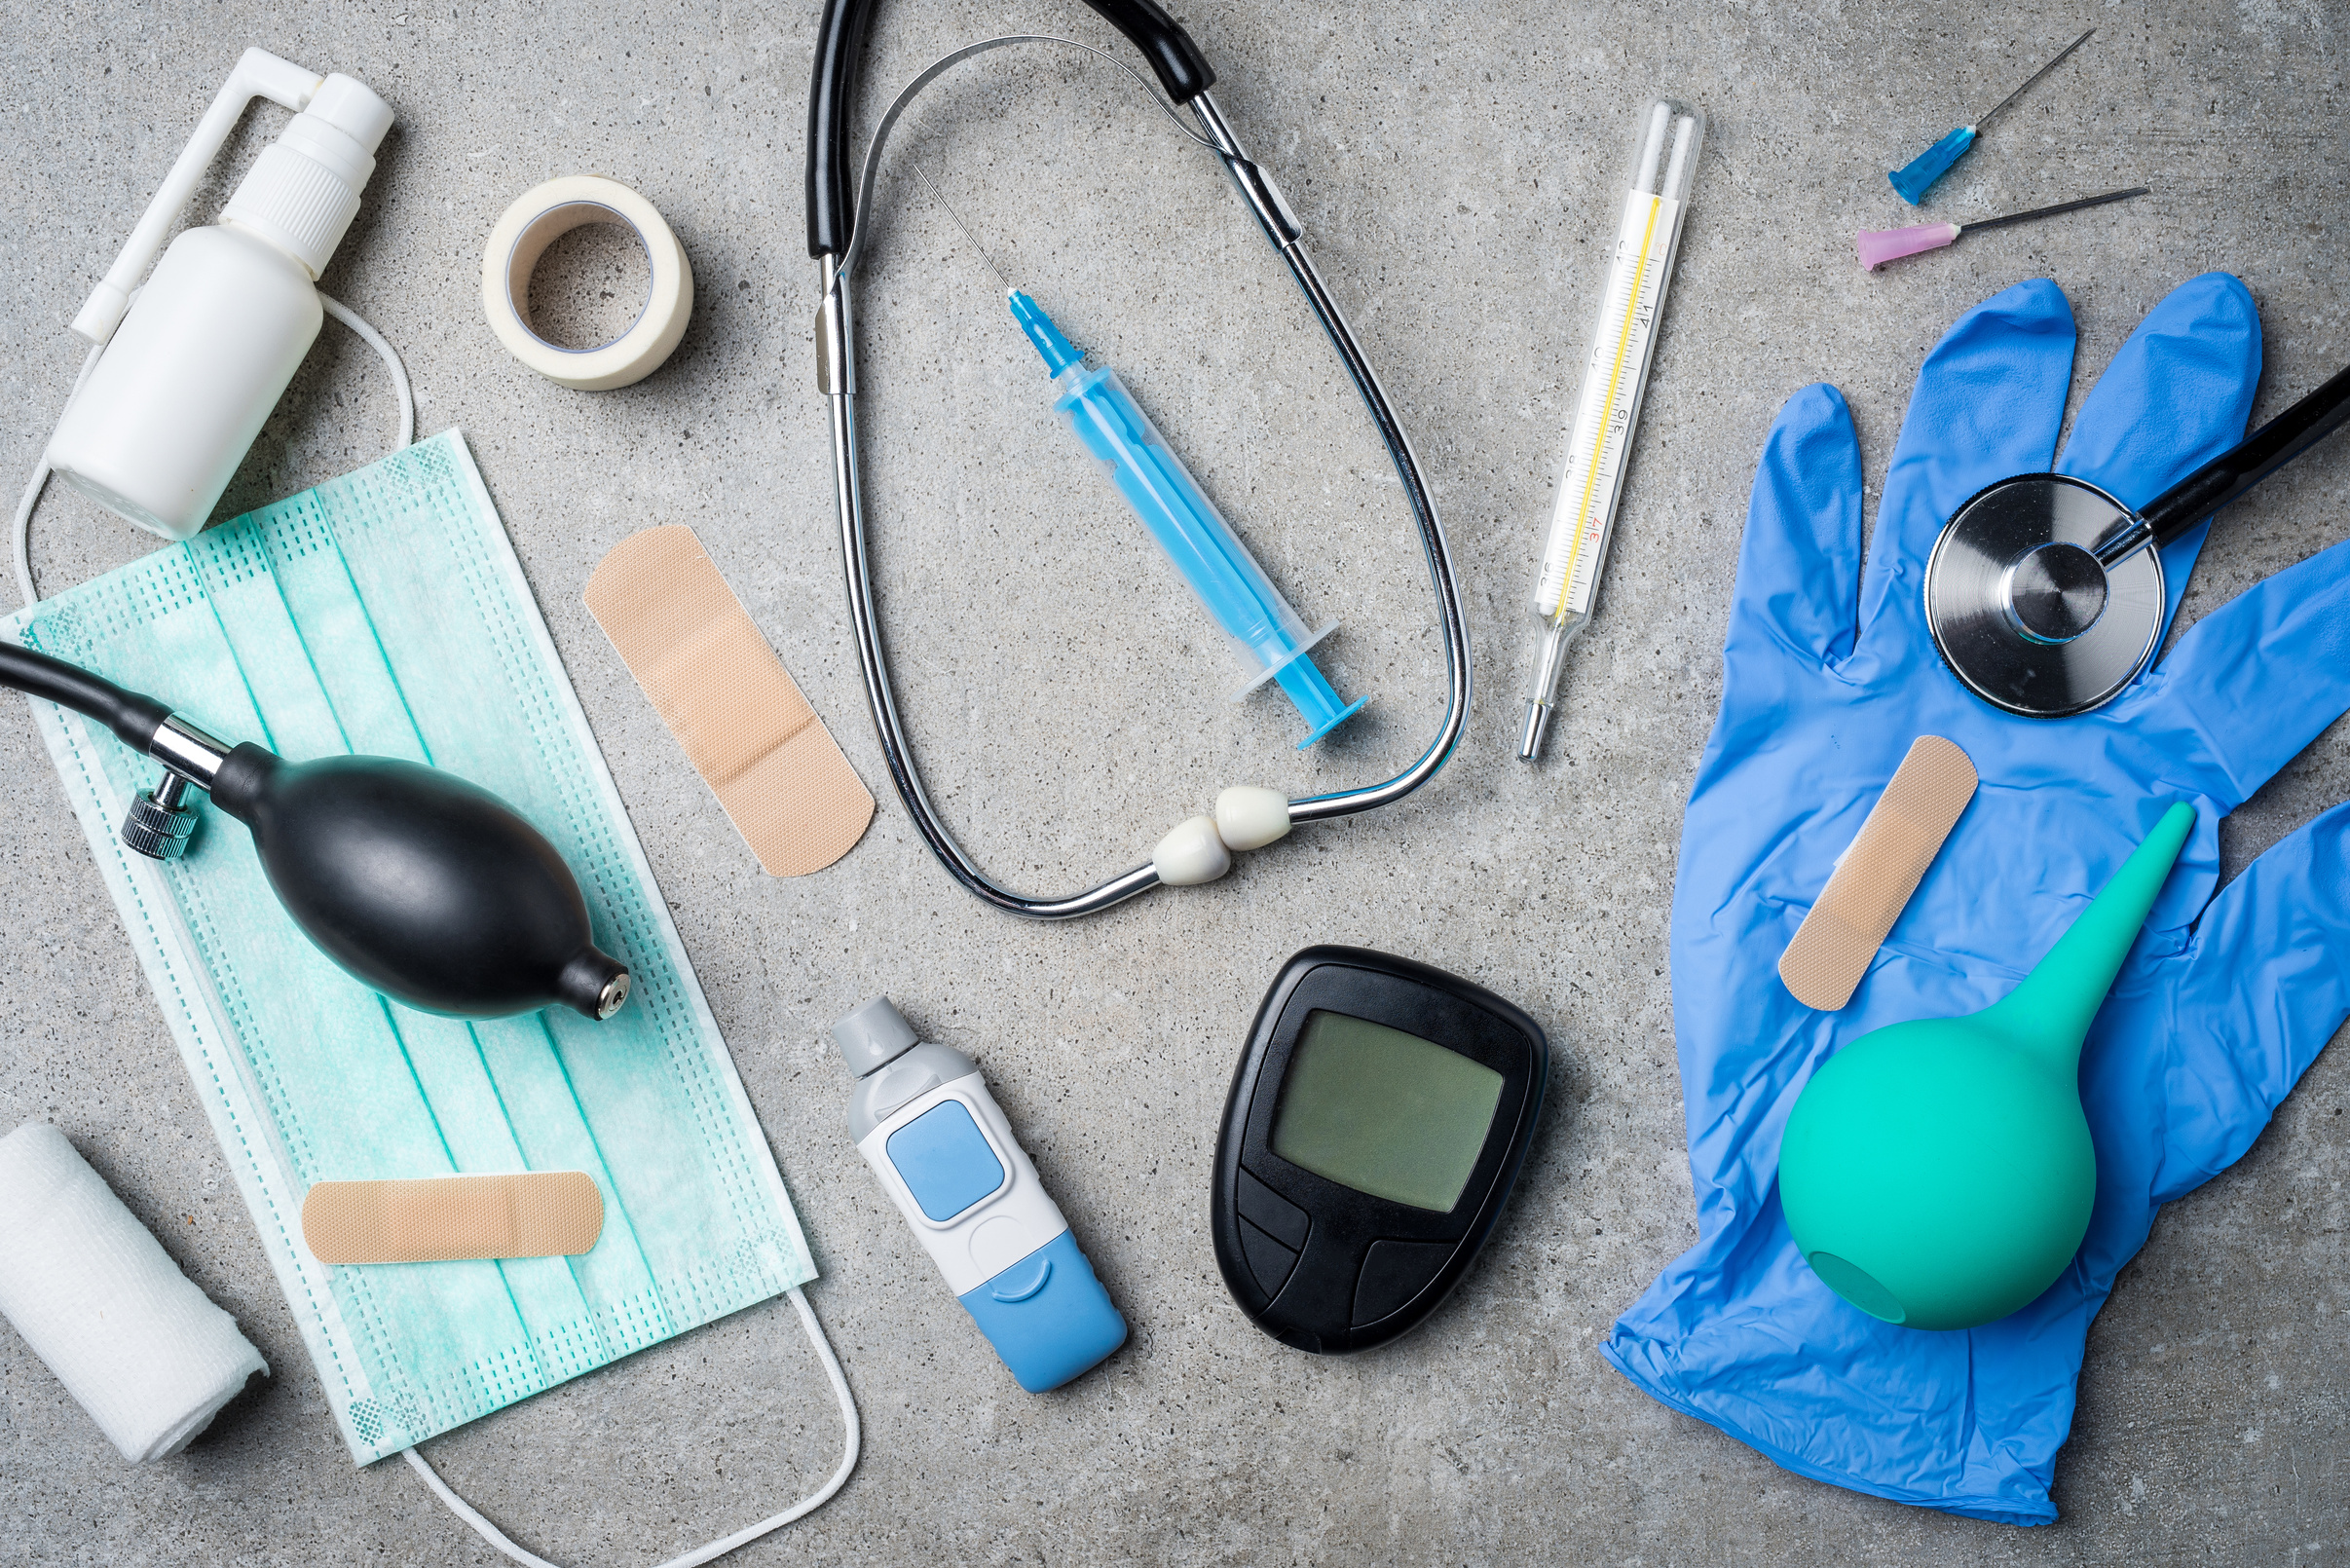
923 1119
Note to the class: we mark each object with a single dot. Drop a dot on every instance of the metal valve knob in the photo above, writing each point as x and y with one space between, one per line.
157 824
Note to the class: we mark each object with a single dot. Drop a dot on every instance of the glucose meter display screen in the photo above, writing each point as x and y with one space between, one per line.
1383 1111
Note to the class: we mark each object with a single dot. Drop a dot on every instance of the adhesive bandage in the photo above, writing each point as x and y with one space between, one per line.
1875 876
730 702
441 1219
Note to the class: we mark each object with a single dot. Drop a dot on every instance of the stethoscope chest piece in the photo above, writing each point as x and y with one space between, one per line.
2021 610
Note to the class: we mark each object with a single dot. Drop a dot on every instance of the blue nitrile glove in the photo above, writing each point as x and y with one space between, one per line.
2222 1006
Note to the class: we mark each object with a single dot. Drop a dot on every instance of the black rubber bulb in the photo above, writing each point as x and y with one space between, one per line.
428 888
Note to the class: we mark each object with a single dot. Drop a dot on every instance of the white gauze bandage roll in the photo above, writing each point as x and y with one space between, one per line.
100 1301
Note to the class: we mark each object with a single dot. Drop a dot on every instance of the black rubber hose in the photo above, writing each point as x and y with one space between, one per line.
830 101
1180 68
831 218
132 717
2227 476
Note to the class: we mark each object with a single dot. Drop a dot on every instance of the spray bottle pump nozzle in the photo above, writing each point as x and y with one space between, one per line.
259 74
303 191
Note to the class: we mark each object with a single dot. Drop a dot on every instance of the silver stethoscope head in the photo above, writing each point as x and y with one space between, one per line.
2045 594
2024 612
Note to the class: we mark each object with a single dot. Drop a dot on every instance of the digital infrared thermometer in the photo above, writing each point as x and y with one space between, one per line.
923 1119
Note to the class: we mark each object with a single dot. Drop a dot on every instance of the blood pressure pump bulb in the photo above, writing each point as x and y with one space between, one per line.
207 347
429 889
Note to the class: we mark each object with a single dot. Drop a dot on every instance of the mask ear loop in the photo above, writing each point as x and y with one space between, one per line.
22 529
852 1444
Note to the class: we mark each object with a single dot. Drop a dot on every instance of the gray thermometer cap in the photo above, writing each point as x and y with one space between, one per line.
872 1036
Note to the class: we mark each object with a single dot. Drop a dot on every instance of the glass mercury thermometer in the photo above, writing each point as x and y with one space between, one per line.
1664 157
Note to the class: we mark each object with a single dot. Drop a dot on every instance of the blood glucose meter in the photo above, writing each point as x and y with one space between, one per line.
1378 1118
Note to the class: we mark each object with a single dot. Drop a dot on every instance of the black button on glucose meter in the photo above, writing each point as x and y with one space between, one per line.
1379 1115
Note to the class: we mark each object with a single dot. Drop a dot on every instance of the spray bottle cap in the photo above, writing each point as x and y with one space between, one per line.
872 1036
303 191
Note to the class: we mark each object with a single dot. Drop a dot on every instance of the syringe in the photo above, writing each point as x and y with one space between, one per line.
1664 157
1270 637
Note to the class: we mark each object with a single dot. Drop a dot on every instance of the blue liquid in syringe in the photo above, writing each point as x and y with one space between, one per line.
1179 514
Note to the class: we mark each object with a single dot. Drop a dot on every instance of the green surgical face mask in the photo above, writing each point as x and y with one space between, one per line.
384 612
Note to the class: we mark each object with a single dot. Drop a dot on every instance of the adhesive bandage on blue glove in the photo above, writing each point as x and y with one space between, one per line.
2224 1002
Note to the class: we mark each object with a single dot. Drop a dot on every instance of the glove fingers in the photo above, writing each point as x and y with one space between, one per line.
2176 396
2259 990
1799 563
2250 684
1989 403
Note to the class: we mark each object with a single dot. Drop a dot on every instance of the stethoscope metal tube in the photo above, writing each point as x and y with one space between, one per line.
1285 233
836 368
833 243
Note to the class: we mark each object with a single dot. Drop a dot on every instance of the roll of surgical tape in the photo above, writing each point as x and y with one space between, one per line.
544 215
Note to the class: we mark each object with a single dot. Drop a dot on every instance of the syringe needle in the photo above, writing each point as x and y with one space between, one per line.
1910 179
941 200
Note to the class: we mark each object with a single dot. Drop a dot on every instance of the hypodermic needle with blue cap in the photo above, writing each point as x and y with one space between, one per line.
1912 178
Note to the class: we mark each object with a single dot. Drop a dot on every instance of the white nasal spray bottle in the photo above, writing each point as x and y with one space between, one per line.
190 374
923 1119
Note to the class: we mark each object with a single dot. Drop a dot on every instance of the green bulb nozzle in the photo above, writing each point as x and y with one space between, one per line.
2052 1008
1939 1173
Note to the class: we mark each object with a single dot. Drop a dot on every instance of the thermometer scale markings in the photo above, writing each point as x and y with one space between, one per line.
1622 338
1570 574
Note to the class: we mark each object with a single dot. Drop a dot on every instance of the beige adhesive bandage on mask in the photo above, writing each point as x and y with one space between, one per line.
1874 879
730 702
441 1219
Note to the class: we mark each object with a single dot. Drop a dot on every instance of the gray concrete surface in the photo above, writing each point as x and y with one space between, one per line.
1455 162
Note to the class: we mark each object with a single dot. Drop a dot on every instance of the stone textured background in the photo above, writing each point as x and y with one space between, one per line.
1456 165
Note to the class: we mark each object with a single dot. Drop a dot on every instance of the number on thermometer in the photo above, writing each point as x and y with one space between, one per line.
1612 384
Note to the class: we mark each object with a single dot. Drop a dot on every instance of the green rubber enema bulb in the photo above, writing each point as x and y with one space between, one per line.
1939 1173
